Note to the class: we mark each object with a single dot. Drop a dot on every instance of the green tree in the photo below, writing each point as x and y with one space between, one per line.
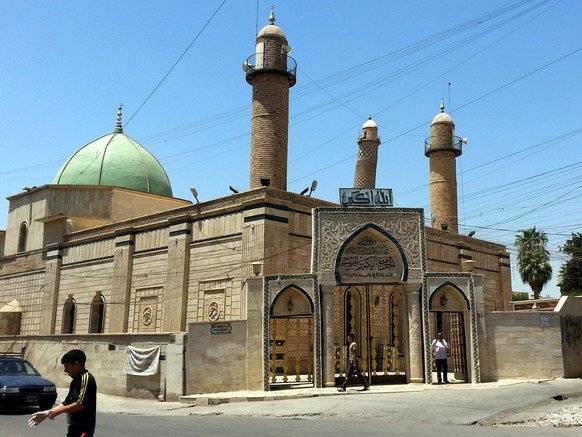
571 270
518 295
533 259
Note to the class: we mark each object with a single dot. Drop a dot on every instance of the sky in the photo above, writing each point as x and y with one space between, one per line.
507 71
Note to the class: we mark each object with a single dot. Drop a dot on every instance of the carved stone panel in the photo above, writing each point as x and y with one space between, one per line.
214 305
333 226
147 314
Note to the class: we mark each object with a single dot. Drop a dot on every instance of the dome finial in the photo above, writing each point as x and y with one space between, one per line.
442 105
118 125
272 15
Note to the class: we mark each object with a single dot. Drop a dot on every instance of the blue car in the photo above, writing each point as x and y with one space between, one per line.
22 385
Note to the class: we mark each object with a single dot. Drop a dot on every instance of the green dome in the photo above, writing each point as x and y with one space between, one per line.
115 160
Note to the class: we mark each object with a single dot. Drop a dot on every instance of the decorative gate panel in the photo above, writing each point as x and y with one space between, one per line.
291 352
458 353
373 313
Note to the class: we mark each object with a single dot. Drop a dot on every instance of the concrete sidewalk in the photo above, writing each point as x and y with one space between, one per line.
123 405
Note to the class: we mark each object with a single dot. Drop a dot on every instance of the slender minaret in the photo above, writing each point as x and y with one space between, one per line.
271 72
368 143
442 148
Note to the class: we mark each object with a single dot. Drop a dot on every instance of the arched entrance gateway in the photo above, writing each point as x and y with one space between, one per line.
368 302
291 338
369 277
369 262
450 298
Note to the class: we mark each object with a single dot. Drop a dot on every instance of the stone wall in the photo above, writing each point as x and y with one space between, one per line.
570 310
106 355
524 345
216 357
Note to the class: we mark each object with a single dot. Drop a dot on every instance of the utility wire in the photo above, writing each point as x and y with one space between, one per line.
176 63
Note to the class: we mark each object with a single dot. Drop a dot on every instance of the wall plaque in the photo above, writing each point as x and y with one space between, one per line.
220 328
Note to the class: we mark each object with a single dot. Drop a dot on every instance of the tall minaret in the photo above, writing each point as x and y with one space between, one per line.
367 156
271 72
442 148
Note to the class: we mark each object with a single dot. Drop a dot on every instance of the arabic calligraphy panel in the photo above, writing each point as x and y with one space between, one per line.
370 257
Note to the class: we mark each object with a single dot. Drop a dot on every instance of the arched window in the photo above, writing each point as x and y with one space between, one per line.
97 316
69 310
22 236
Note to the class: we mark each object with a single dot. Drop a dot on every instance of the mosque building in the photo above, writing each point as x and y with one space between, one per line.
259 288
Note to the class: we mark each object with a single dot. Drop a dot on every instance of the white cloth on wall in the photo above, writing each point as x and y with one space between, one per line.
142 362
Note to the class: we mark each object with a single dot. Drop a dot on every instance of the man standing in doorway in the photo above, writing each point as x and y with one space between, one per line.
440 348
353 365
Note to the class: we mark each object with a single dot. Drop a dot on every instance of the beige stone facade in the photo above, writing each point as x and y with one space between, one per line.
166 272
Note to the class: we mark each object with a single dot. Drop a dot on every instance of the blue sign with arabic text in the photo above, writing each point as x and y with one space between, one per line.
366 197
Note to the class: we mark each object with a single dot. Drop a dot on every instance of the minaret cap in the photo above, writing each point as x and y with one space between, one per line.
118 125
443 117
271 28
369 123
272 16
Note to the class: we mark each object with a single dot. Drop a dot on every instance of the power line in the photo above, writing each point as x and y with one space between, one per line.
175 63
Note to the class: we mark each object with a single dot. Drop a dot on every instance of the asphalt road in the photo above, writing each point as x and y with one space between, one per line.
110 425
510 410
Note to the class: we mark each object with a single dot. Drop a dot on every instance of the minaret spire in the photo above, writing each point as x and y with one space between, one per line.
442 149
368 143
118 125
271 72
272 15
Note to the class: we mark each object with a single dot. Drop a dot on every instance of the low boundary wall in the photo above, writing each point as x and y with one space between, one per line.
106 356
524 345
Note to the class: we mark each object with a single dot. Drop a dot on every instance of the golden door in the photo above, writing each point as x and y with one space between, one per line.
374 314
291 355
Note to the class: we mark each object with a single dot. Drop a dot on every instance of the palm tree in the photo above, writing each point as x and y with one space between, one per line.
533 259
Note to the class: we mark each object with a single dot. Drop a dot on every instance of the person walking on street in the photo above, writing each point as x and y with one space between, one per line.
81 401
440 348
353 365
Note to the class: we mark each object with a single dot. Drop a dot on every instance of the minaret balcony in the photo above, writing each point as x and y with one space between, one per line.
260 63
367 136
456 146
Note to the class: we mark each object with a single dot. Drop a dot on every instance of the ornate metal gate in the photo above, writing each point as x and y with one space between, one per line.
291 350
374 314
458 352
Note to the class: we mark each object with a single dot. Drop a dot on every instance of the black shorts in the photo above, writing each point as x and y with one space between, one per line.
78 432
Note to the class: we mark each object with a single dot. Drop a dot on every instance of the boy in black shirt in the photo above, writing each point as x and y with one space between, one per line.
81 402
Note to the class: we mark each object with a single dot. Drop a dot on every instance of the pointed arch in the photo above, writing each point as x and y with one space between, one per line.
287 290
353 297
382 263
22 237
446 285
97 315
69 315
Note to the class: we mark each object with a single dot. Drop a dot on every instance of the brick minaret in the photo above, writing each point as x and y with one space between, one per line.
271 72
442 148
367 156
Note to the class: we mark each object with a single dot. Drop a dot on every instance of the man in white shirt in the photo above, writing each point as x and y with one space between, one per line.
440 348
